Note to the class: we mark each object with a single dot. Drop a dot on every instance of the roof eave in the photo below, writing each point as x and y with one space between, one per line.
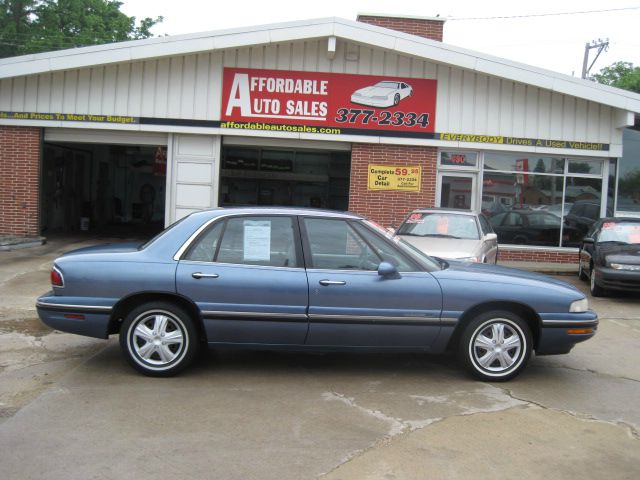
320 28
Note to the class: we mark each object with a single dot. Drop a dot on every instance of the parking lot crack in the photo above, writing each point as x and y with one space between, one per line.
631 429
595 372
399 427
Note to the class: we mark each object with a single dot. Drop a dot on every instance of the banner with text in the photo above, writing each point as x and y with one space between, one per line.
399 178
326 102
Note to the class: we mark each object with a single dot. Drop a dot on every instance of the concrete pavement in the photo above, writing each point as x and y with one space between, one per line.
75 409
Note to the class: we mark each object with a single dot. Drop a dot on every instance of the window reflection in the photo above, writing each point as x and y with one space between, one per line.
629 175
523 163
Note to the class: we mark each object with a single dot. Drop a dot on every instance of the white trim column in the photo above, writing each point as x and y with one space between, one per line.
192 174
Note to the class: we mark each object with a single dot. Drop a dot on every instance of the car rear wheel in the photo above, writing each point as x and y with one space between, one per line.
596 290
396 99
159 339
495 346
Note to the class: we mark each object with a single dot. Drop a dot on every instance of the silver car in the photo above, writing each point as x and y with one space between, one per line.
451 234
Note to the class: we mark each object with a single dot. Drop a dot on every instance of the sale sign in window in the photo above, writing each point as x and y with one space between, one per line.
333 103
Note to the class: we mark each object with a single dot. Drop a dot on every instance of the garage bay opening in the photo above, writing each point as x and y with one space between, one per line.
112 190
284 177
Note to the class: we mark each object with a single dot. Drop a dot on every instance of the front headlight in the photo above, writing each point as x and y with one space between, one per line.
622 266
469 259
579 306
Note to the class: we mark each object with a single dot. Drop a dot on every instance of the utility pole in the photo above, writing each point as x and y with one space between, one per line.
601 45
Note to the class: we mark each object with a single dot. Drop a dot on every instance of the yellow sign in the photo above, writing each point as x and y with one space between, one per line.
387 177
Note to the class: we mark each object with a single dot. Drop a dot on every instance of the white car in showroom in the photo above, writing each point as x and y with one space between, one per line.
386 93
451 234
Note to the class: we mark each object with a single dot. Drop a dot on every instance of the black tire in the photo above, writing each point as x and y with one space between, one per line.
503 362
396 99
595 289
581 274
159 339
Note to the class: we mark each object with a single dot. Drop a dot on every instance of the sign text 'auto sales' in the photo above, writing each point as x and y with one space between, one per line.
327 102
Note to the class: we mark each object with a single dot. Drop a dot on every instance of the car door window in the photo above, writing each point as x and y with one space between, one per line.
203 249
497 220
384 250
335 245
266 241
513 220
485 225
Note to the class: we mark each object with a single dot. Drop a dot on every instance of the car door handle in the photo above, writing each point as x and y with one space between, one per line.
199 275
326 283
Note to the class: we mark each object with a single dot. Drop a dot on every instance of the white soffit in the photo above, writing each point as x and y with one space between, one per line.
359 32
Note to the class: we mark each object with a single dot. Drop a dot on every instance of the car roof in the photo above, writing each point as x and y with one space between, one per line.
457 211
253 210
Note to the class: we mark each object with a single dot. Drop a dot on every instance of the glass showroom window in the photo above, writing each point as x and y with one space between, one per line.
628 199
540 200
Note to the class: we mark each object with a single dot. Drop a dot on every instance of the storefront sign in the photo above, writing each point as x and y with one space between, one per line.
400 178
388 122
68 117
326 102
520 141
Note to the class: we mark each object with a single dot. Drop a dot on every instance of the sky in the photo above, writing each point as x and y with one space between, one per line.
539 36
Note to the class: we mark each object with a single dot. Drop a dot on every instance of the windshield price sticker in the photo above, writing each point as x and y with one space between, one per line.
325 100
415 218
399 178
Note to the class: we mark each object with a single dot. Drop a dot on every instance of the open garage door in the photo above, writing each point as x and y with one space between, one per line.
113 189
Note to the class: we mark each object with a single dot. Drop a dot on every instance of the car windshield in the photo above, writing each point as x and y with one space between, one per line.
448 225
620 232
418 256
387 84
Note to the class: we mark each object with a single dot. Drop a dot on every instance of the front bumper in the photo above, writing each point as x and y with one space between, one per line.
613 279
555 337
75 315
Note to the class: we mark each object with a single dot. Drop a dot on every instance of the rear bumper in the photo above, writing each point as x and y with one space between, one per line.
555 337
74 315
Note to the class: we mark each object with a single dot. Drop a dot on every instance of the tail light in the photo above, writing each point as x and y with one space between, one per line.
56 278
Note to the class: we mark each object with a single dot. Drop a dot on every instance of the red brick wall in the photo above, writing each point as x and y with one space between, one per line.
432 29
506 255
388 207
19 184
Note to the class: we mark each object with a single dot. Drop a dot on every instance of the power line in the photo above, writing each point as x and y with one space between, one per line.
506 17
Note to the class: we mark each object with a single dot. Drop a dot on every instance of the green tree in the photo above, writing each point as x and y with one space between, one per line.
15 23
620 74
44 25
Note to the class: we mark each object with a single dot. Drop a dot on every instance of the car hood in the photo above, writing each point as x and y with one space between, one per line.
625 254
445 247
498 274
375 91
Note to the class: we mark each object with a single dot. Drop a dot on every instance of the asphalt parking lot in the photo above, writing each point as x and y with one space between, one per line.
70 407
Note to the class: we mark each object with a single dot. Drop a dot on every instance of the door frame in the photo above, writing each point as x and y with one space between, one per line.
474 186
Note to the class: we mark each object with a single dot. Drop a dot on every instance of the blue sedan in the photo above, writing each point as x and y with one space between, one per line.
298 279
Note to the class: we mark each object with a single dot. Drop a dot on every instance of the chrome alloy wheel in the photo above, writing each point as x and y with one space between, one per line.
497 346
157 339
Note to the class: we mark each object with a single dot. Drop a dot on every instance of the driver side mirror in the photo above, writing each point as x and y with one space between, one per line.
491 237
588 241
388 270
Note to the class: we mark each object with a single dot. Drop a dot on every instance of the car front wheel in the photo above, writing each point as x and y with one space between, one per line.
596 290
158 339
495 346
581 274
